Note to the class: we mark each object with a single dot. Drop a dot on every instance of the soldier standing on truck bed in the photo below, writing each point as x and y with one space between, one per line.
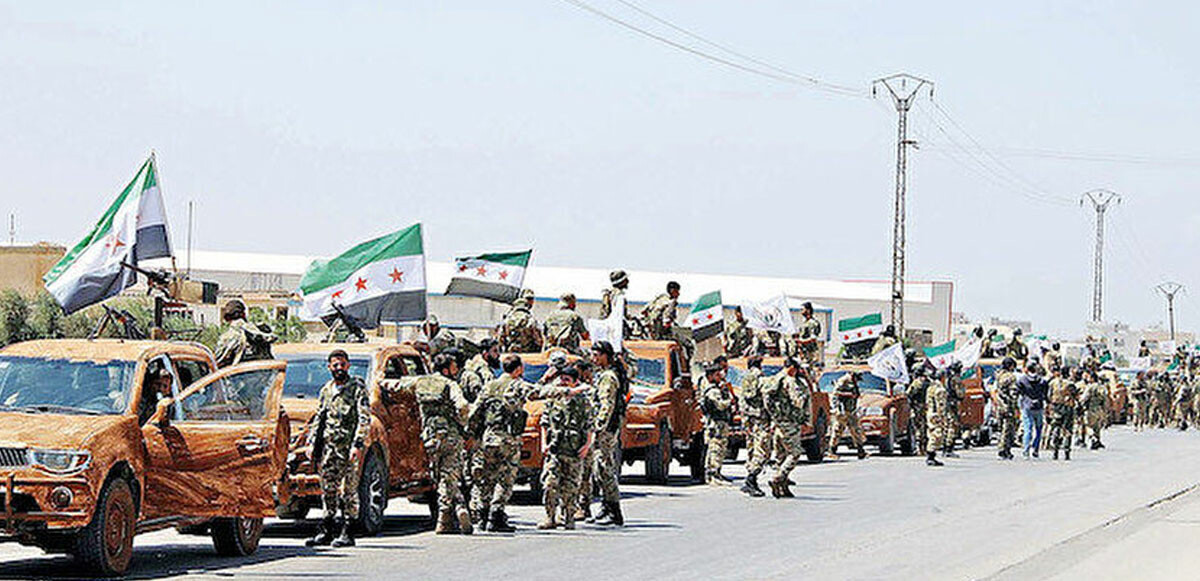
845 414
564 328
438 338
443 424
242 341
809 337
738 336
659 317
520 332
788 405
612 385
758 424
336 439
716 402
568 422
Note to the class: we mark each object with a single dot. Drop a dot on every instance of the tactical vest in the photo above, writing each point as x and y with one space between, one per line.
433 400
752 394
567 422
778 403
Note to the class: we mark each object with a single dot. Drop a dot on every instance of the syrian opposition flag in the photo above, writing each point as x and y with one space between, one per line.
379 280
770 315
491 276
941 356
861 328
998 342
707 318
133 228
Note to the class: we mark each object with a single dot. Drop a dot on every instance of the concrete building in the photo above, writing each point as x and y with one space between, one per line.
22 266
270 279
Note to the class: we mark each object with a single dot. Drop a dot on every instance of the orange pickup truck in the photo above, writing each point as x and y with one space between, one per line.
103 439
883 410
815 434
394 464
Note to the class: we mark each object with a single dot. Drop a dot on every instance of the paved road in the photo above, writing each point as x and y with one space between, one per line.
1116 513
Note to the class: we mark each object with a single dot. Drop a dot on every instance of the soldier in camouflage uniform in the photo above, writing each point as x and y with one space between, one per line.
520 332
565 328
937 409
659 318
916 391
738 336
1140 393
716 402
885 340
480 369
845 414
1164 392
1006 406
1183 403
1017 349
443 424
759 431
788 405
568 423
242 341
612 385
1064 398
438 338
336 438
1095 409
497 422
956 392
809 337
766 343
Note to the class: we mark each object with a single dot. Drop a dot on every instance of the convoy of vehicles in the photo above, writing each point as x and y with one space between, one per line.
393 463
101 440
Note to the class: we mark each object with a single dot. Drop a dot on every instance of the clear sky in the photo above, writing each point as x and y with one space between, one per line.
303 127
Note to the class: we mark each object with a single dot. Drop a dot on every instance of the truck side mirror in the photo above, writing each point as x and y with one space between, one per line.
162 413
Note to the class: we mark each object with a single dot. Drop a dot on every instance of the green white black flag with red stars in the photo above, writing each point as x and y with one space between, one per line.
379 280
707 318
497 276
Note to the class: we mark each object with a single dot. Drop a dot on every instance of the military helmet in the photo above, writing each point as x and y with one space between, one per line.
618 277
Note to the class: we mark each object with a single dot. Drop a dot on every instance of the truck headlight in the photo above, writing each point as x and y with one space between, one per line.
60 462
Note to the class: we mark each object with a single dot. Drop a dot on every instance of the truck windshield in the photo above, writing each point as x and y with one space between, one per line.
307 374
534 371
866 382
650 372
65 386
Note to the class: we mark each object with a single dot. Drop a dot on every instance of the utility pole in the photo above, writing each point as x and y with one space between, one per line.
1169 290
12 229
903 88
1100 199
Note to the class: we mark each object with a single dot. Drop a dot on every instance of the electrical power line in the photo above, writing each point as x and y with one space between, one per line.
771 72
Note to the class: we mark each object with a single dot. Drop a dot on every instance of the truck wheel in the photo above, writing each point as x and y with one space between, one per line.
237 536
814 449
887 445
908 446
695 457
105 545
658 457
372 495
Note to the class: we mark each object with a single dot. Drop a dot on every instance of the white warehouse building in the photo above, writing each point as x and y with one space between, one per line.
274 278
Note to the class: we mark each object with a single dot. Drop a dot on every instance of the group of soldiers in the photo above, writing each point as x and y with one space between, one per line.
1166 398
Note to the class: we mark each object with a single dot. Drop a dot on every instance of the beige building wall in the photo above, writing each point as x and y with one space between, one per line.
22 267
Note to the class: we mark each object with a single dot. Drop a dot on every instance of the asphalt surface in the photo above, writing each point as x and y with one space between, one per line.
1130 511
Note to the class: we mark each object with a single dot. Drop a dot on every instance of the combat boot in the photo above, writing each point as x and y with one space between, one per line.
1067 454
785 490
949 452
931 460
750 486
775 485
1056 452
479 518
615 517
346 539
324 534
1099 445
861 453
721 478
445 524
464 522
568 520
499 523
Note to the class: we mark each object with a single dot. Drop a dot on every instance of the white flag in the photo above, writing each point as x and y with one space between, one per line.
611 329
969 354
770 315
889 364
1140 363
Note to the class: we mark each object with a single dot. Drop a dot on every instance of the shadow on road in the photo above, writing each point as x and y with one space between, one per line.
152 562
393 526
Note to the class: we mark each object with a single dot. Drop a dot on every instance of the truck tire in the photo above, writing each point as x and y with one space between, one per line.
658 457
105 546
887 446
695 457
814 449
372 495
237 536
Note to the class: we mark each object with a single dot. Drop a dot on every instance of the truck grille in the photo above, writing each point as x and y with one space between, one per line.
10 457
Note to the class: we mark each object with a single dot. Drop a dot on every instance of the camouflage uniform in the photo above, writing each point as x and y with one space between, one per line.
1164 393
1018 351
1095 409
476 374
759 431
717 404
810 335
1183 404
937 412
916 392
442 340
242 342
520 333
1064 394
1140 393
610 418
766 343
659 317
568 423
956 392
845 413
1007 407
788 406
341 426
564 328
738 338
499 418
882 343
443 425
